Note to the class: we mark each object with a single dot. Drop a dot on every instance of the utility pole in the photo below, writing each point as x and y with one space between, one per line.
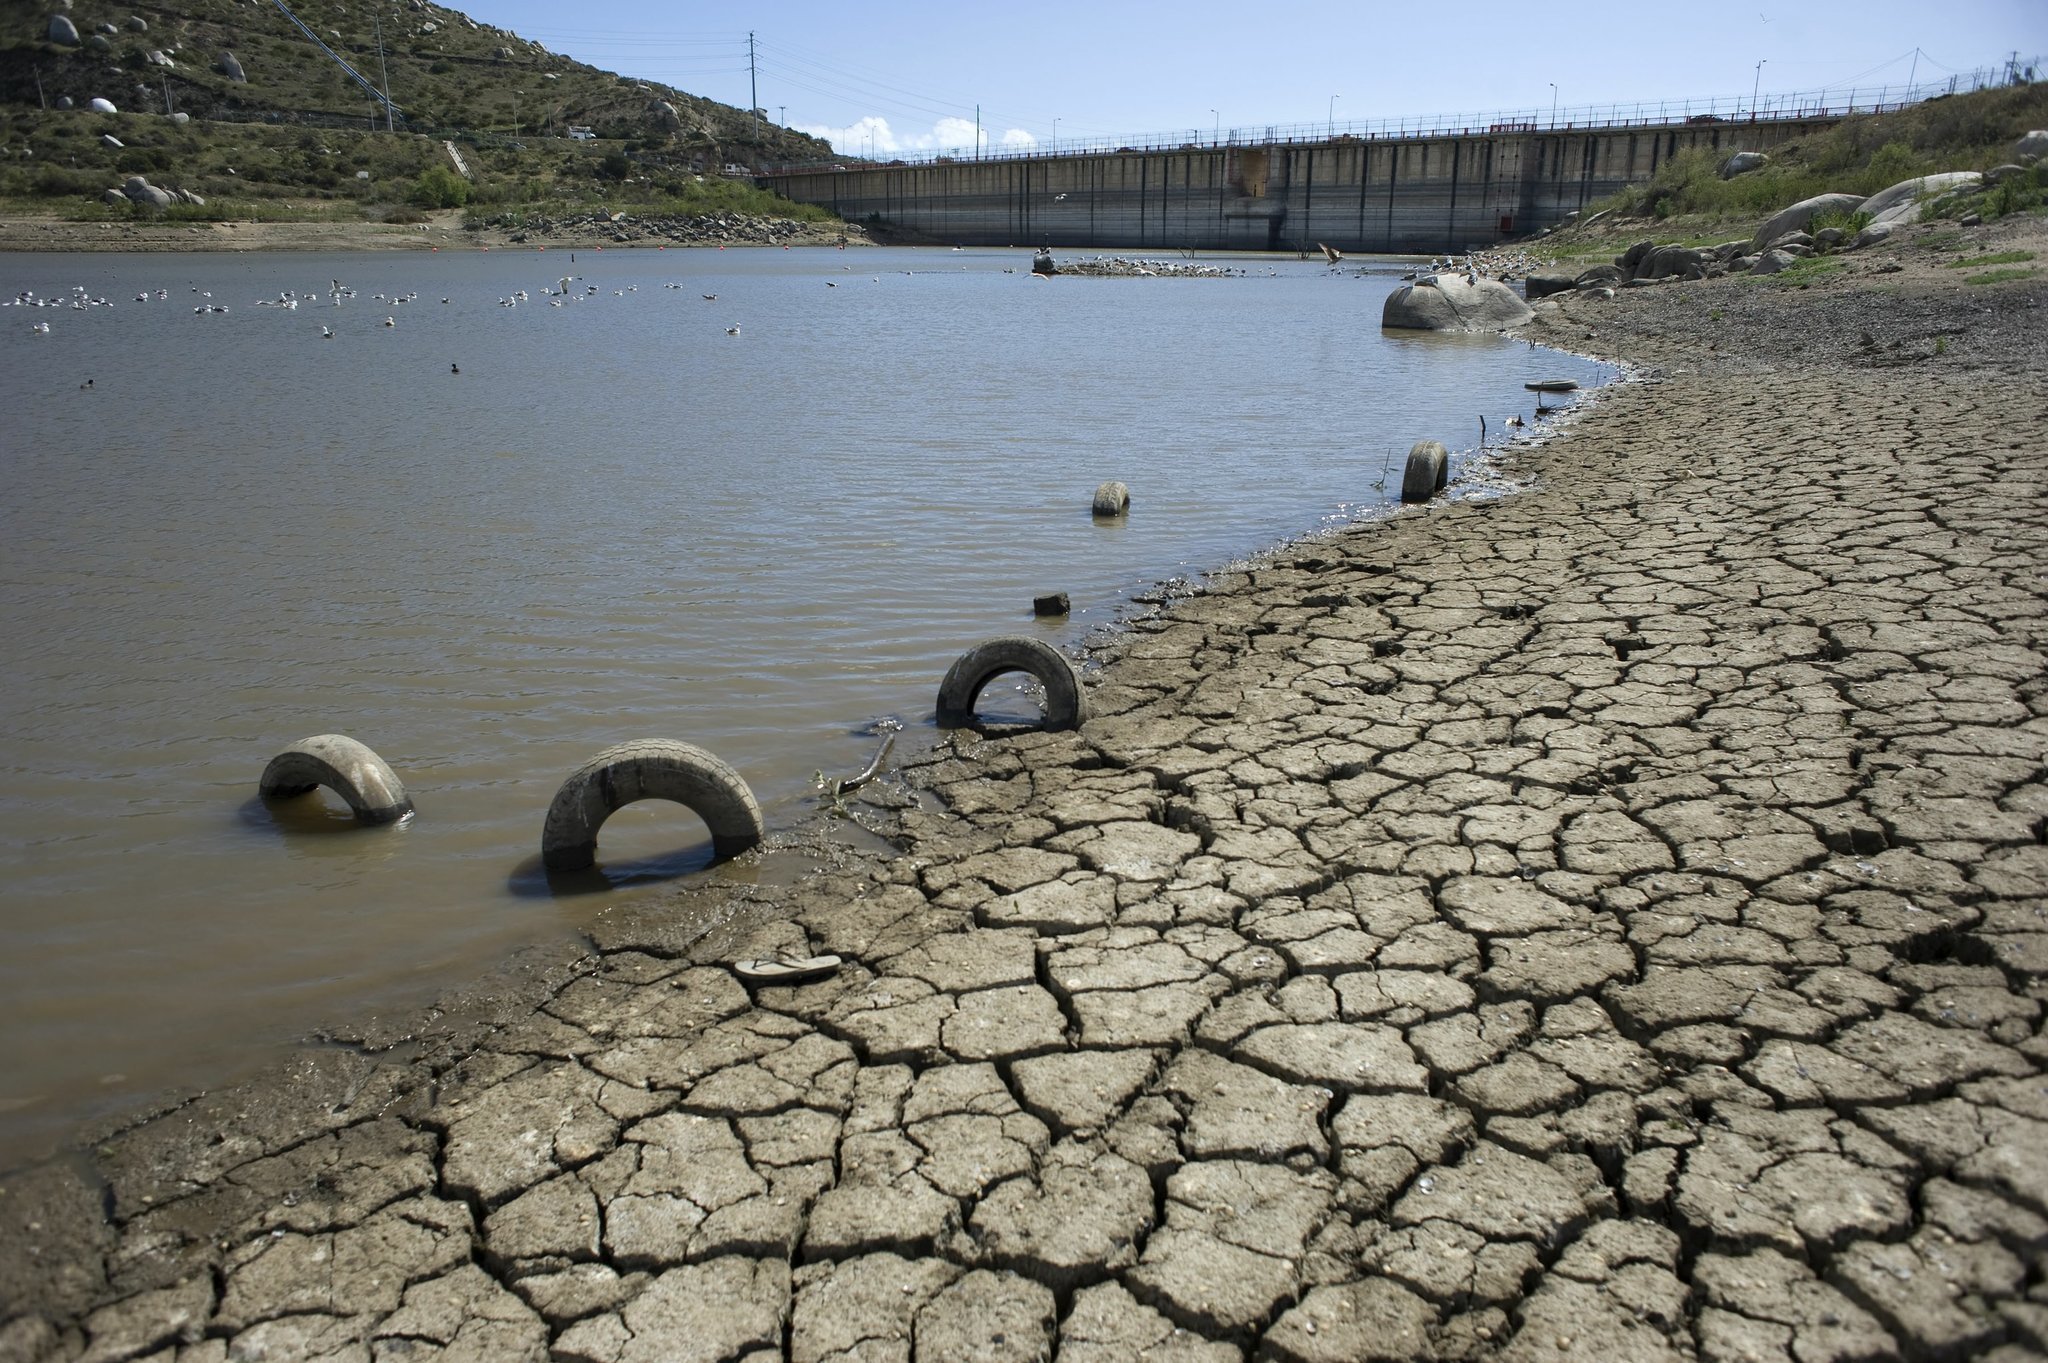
41 98
782 114
977 125
754 96
167 95
1912 71
383 76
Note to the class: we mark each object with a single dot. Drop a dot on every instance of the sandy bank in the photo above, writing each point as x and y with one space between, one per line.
444 231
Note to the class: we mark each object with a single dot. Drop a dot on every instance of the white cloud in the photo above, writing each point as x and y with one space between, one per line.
872 136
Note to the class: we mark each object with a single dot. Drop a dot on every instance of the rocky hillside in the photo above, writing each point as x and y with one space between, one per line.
228 98
244 60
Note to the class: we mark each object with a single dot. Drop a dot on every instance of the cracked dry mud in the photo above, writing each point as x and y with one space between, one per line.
1608 923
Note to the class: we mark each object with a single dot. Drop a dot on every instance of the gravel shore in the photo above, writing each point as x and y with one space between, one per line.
443 230
1606 922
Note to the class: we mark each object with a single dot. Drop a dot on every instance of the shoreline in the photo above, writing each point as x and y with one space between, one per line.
443 230
1392 914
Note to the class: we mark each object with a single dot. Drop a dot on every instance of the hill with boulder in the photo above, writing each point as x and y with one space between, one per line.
228 100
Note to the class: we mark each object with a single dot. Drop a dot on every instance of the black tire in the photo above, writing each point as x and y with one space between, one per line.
648 769
344 766
1427 473
1112 499
1066 705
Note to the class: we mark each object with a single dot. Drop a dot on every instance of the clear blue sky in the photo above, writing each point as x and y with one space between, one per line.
907 76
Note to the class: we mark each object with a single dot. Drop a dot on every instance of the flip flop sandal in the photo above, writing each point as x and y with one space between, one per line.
779 972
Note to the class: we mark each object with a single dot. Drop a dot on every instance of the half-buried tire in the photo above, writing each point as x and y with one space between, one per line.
1066 707
345 767
649 769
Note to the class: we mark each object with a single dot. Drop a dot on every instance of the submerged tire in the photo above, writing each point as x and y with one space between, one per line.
1112 499
649 769
1428 471
1066 707
345 767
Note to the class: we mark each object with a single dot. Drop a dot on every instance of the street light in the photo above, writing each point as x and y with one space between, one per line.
1055 132
1756 85
1553 104
1332 134
1219 124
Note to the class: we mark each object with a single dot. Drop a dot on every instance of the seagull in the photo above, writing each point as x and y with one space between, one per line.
327 333
732 330
390 321
86 384
831 284
711 298
455 369
1516 421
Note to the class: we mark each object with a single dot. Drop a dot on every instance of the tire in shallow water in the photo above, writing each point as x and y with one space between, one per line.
1427 473
1066 707
1112 499
648 769
344 766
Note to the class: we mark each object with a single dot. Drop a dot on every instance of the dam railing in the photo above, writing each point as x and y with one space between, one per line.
1829 102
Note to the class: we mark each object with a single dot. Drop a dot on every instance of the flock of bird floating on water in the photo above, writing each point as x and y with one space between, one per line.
80 299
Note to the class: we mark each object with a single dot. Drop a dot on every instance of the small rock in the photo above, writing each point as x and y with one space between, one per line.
1054 604
62 31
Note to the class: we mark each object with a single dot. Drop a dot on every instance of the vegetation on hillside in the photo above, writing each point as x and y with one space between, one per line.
1859 155
297 138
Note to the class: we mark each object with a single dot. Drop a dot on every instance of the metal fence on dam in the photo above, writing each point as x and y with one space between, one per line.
1420 194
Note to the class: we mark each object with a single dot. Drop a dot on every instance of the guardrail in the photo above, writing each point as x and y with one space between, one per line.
1832 102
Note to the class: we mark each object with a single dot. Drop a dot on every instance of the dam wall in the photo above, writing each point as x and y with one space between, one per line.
1442 192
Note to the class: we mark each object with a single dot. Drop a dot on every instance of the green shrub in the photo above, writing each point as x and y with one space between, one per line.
1849 223
439 187
2016 195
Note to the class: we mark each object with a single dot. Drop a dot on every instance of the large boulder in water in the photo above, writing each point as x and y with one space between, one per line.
1905 201
63 31
1799 214
1451 302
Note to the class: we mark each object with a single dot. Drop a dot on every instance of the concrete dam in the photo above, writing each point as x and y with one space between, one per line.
1439 192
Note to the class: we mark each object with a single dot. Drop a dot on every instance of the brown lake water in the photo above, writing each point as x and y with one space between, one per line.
616 521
